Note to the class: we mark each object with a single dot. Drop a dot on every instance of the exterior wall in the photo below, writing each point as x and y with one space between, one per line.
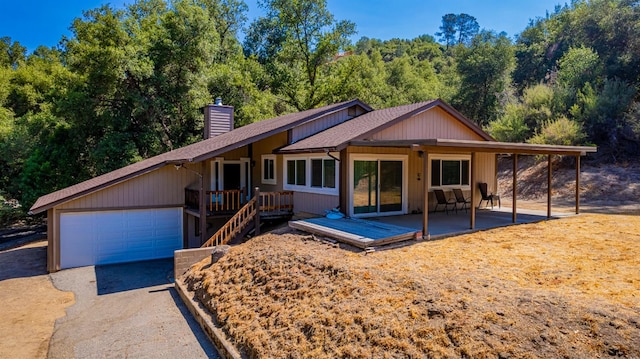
484 171
160 188
314 203
266 147
321 124
434 123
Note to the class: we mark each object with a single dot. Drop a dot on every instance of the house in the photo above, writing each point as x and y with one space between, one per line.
366 162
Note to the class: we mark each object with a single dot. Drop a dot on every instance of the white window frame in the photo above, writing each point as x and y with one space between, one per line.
405 183
274 180
307 187
445 157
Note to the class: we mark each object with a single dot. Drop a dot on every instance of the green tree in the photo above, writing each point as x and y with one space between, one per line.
300 38
458 29
484 68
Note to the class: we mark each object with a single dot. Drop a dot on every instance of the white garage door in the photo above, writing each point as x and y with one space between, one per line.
90 238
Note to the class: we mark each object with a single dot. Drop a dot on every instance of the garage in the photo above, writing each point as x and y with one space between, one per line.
103 237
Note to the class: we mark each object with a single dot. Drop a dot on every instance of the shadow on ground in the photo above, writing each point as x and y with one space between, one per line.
121 277
23 262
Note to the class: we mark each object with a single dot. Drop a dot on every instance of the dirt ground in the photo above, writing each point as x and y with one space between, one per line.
565 288
30 303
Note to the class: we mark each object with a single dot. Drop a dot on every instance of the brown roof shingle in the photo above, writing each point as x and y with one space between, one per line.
192 153
339 136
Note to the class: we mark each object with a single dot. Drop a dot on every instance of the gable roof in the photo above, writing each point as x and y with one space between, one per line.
338 137
196 152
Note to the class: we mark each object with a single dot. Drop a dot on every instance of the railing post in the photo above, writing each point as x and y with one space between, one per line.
257 216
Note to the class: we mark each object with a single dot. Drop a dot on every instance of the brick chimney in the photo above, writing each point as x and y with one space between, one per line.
218 119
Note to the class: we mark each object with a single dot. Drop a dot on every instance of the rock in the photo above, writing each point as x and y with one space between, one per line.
219 252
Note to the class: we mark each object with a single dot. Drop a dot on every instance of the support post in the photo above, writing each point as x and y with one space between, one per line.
472 170
578 184
203 205
549 168
256 193
425 186
514 215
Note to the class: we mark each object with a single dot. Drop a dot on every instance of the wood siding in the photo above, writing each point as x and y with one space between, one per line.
434 123
159 188
266 147
321 124
485 171
314 203
217 120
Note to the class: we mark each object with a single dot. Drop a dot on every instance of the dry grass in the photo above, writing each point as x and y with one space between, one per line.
563 288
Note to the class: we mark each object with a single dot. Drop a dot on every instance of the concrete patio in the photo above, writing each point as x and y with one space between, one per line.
447 225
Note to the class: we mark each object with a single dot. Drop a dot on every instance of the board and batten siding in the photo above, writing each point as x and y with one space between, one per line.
321 124
434 123
266 147
159 188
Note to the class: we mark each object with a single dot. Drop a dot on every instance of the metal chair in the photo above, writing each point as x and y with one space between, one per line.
460 199
443 201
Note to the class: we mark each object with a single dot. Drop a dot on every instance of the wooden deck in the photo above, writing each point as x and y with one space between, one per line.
356 232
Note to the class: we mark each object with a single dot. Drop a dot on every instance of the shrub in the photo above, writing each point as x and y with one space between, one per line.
562 131
510 127
10 211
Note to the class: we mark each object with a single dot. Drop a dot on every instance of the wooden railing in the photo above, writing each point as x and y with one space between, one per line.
228 201
270 204
235 225
276 201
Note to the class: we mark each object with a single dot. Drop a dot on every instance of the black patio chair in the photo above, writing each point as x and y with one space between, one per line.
489 197
443 201
460 199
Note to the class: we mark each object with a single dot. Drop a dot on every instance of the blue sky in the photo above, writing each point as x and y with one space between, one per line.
44 22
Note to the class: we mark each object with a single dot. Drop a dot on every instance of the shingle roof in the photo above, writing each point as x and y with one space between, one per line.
192 153
359 128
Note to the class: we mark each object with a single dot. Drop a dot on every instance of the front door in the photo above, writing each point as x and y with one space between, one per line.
231 176
378 187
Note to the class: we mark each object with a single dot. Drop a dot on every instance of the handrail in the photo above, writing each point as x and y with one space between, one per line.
234 226
276 201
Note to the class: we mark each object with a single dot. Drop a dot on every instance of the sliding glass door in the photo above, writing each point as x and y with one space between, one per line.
378 187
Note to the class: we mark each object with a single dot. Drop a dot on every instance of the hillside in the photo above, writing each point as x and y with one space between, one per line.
559 289
604 187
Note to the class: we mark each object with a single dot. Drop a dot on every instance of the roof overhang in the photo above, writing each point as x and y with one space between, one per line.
466 146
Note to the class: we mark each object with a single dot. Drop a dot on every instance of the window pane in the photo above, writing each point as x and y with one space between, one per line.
265 169
330 173
272 170
465 172
435 173
291 172
301 172
450 173
316 173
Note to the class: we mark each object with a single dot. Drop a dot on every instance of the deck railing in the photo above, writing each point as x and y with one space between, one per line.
276 201
270 204
228 201
247 214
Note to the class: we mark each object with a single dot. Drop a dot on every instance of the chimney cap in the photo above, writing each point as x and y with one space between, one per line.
218 101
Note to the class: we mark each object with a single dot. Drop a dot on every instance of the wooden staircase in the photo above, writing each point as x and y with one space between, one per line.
266 205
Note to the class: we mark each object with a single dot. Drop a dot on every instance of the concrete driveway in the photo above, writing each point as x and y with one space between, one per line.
126 311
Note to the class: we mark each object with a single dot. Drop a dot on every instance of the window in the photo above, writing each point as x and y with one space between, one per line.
451 172
269 169
308 174
297 172
323 173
